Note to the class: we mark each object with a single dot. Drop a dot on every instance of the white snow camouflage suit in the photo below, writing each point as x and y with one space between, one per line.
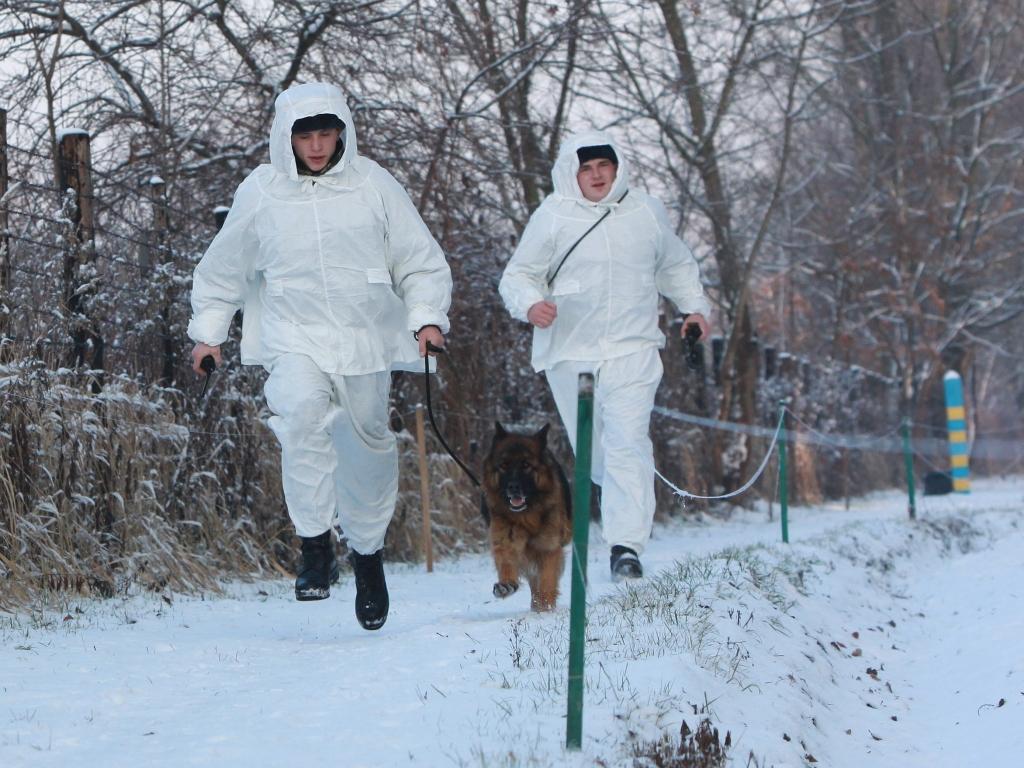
333 274
607 322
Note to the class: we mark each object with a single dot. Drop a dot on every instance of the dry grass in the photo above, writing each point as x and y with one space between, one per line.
148 488
702 748
143 488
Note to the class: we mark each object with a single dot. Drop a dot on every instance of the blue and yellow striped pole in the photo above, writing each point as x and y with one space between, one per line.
956 420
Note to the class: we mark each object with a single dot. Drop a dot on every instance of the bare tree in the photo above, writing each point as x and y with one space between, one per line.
909 226
724 86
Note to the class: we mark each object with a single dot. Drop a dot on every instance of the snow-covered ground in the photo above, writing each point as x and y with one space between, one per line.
869 640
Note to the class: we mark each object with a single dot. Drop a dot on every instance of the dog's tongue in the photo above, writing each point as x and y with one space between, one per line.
517 501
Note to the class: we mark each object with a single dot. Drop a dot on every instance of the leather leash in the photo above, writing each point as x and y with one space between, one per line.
430 412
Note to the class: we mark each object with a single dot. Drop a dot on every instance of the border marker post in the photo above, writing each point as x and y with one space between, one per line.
956 421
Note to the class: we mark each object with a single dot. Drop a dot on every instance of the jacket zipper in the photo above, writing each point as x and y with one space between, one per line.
320 255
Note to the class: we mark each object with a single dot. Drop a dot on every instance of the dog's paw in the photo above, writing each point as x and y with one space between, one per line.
505 588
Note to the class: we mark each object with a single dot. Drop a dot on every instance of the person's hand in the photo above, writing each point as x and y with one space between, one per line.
199 351
432 334
542 314
700 321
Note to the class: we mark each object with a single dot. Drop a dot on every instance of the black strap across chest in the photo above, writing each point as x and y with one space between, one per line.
579 240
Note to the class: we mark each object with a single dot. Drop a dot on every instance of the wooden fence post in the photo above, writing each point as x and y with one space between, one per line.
769 362
75 164
220 215
75 177
5 244
162 256
717 351
421 446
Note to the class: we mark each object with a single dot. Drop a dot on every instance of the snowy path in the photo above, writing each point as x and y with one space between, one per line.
965 654
459 678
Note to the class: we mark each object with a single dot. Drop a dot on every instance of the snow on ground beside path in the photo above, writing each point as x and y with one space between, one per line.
868 641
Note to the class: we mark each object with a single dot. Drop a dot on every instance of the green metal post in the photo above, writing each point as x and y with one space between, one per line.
908 457
580 534
783 479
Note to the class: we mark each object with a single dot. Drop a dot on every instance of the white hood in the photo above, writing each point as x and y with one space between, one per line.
337 267
621 256
301 101
563 174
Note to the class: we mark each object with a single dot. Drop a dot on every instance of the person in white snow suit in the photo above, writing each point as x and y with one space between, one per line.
340 282
597 311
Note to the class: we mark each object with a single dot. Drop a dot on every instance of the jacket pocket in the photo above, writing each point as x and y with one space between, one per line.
565 288
378 276
380 299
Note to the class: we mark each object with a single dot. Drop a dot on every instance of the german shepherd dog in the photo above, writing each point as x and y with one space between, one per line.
528 505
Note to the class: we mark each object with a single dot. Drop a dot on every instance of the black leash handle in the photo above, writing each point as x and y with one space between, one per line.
208 365
691 346
430 412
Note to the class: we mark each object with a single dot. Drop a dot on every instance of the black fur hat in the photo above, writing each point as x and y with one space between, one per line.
317 123
600 151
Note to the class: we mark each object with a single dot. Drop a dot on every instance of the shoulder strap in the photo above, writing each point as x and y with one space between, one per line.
580 238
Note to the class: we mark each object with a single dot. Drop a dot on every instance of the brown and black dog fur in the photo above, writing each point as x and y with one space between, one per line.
528 505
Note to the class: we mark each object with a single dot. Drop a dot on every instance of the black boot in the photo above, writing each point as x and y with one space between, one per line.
319 568
625 564
371 589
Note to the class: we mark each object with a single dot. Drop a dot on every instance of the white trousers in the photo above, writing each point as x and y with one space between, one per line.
339 460
622 460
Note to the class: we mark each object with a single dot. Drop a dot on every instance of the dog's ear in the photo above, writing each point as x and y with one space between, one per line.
499 431
542 436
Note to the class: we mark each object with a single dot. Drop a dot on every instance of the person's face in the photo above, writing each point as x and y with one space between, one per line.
315 148
595 178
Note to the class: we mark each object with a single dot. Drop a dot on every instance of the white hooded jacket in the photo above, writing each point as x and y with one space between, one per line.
339 267
607 290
